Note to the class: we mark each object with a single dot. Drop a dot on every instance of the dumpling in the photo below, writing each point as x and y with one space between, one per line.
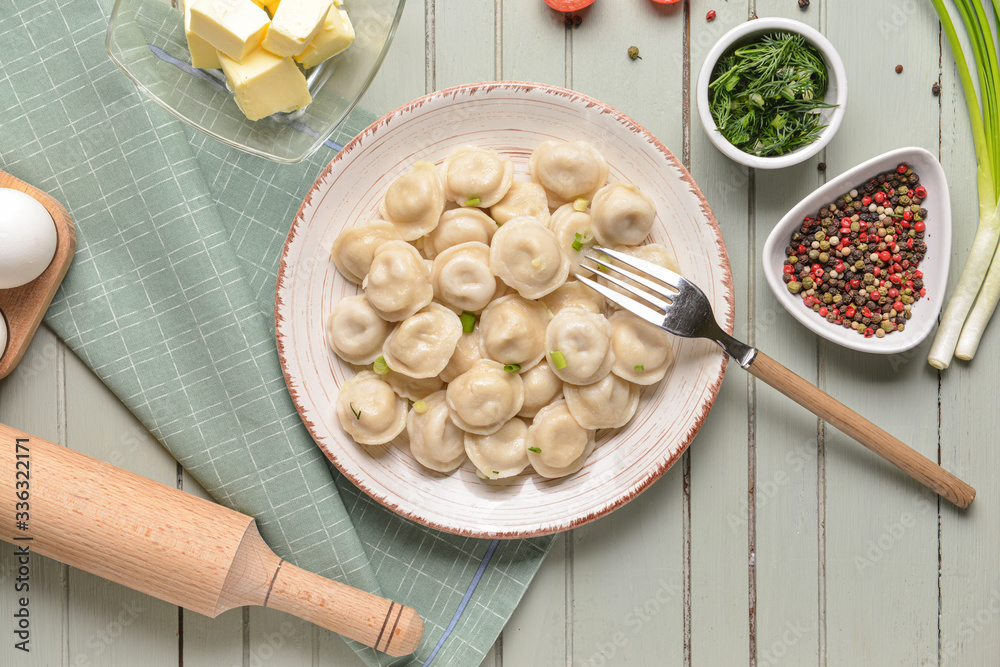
462 278
526 256
414 201
355 331
651 252
568 170
435 441
459 225
484 397
621 214
500 454
578 345
413 388
513 331
642 351
574 294
571 226
398 283
557 444
467 352
369 410
423 343
523 198
608 403
477 177
355 247
541 387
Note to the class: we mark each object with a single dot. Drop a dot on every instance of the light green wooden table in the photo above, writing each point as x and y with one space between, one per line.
774 540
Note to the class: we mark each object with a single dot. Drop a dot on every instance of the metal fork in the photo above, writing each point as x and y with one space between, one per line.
678 306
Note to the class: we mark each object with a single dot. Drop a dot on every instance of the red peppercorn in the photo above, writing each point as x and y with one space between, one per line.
895 279
855 283
845 222
869 332
839 268
893 292
879 197
919 226
788 268
862 225
884 256
904 225
907 215
850 311
921 192
802 249
866 200
710 16
901 169
909 243
873 238
866 311
877 271
923 291
823 311
897 306
918 274
818 273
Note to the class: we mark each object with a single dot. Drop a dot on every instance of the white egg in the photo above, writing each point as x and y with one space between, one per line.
27 238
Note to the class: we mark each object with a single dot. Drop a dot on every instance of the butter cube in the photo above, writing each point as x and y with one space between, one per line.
264 84
336 35
234 27
203 54
294 25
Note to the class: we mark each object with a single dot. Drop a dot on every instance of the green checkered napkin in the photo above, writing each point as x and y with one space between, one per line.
170 301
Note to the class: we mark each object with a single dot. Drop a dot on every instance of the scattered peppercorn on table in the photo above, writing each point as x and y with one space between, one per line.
775 540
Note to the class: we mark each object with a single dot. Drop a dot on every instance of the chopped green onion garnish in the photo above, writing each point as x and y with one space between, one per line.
580 205
603 258
380 366
558 359
578 241
512 368
420 407
475 201
639 367
496 472
357 415
535 450
468 321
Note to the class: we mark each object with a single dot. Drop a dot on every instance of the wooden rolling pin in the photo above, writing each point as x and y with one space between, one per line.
172 545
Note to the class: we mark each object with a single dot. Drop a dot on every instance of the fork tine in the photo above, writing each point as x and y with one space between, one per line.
674 280
645 312
634 291
642 280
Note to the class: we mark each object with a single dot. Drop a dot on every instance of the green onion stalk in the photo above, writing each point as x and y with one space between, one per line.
981 274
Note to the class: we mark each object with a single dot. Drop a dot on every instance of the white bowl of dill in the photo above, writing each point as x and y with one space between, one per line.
772 93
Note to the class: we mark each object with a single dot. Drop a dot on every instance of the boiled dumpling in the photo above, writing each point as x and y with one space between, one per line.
503 453
608 403
412 388
574 294
652 252
523 198
355 247
435 441
484 397
462 278
642 351
621 214
398 283
571 226
355 331
557 444
467 352
477 176
423 343
579 346
369 410
568 170
513 331
541 387
526 256
459 225
414 201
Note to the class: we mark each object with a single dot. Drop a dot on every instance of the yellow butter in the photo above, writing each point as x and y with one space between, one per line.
234 27
294 25
203 54
336 35
264 84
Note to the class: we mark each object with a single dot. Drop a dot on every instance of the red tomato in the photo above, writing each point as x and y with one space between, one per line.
568 5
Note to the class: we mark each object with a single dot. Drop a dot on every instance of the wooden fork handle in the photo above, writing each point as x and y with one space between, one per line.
832 411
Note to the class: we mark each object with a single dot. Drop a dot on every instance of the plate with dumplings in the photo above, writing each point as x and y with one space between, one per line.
433 335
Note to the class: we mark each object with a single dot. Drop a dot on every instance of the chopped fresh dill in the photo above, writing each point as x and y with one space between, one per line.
357 414
766 96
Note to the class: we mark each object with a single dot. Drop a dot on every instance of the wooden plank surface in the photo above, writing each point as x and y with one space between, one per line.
774 541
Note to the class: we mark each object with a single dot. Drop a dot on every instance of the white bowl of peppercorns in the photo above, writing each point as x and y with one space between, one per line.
863 260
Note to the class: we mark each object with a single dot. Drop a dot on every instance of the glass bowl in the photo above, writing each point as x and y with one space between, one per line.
146 40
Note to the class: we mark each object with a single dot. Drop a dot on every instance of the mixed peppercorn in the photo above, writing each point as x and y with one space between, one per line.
856 262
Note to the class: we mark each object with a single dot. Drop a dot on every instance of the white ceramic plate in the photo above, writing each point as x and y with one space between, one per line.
512 118
934 265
